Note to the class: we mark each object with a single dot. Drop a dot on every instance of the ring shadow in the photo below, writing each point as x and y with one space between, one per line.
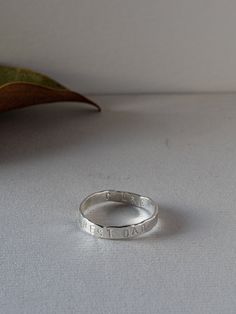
171 222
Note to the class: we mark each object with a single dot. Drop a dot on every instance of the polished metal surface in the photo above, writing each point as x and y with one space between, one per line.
123 231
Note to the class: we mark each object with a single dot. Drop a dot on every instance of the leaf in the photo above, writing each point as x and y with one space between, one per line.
21 88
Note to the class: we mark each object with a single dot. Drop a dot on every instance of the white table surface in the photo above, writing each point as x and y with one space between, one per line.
178 149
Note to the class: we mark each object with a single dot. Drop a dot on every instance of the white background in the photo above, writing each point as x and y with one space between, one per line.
179 150
124 46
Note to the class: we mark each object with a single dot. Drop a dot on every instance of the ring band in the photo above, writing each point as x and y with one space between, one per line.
123 231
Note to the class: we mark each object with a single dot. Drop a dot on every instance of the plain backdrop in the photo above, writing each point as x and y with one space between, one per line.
128 46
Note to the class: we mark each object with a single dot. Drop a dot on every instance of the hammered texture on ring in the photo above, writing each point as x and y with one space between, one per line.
118 232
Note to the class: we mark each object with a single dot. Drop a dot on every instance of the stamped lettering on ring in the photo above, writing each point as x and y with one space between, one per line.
99 231
109 232
117 232
84 224
108 196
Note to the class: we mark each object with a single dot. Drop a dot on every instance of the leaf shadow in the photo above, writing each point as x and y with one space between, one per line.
53 129
32 133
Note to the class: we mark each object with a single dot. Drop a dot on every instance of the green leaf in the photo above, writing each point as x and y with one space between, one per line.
21 88
11 74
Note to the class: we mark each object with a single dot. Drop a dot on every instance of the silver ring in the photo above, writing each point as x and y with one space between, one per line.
118 232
